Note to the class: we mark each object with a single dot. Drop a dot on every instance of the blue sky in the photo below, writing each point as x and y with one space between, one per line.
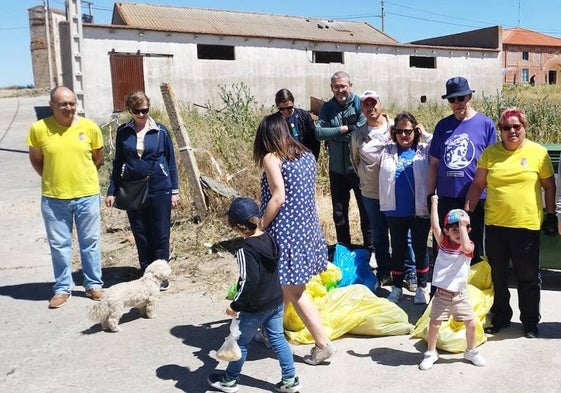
404 20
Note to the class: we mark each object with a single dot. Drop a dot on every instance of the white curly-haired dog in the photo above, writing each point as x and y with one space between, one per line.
142 294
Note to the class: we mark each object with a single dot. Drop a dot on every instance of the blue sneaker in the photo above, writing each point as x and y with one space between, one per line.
411 281
290 385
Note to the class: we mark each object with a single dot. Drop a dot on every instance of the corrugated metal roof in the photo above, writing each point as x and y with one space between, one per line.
520 36
245 24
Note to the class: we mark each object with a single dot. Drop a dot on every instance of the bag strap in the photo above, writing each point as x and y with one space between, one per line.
157 152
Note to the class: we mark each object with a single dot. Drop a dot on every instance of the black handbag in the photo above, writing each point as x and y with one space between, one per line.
133 194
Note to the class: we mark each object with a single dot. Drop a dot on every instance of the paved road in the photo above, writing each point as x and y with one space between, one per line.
44 350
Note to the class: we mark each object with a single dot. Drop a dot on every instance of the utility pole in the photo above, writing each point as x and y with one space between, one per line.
88 18
382 13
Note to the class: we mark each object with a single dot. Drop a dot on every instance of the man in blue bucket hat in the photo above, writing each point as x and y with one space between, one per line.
456 145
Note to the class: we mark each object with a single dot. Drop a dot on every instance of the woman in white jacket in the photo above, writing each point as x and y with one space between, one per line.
403 191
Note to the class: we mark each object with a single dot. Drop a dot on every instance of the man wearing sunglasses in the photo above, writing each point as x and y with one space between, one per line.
338 118
458 141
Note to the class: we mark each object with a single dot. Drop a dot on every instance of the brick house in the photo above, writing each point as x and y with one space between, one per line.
526 53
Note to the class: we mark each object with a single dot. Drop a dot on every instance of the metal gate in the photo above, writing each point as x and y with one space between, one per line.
127 75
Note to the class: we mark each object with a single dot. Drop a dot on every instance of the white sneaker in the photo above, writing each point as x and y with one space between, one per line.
318 355
396 295
473 356
421 296
428 360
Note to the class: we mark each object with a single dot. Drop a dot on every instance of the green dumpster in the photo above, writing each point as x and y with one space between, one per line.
550 247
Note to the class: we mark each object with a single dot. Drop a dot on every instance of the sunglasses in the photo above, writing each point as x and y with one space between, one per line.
451 100
139 111
455 227
286 108
399 131
514 127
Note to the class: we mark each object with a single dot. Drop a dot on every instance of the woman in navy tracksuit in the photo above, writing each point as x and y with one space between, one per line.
144 146
300 122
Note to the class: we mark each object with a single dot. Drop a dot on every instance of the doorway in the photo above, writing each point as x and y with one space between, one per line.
552 77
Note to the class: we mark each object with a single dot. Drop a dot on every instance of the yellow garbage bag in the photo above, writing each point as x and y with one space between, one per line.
316 288
351 309
331 276
452 334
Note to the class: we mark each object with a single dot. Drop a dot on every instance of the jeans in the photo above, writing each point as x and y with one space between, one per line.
59 216
380 236
400 227
151 229
340 187
272 321
522 247
410 266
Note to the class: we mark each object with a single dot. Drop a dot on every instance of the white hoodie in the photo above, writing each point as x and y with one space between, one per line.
420 173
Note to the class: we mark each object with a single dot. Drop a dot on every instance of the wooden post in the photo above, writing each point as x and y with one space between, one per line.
185 149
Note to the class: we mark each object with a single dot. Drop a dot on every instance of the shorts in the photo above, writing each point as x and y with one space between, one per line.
457 304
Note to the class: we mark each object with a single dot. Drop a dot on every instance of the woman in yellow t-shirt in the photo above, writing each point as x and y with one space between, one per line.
514 171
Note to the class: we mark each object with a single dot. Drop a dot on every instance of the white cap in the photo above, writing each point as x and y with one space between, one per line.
369 94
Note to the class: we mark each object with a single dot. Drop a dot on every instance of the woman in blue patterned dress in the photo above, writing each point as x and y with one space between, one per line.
289 213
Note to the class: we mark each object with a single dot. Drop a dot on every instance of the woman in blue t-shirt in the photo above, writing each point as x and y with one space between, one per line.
403 189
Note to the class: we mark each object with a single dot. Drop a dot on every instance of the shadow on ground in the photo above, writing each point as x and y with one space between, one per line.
202 341
111 275
34 291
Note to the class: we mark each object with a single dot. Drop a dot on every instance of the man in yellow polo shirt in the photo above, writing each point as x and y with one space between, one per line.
66 151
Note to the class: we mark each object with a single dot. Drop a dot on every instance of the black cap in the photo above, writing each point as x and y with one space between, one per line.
242 209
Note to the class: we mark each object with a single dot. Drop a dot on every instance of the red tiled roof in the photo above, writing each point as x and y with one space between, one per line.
520 36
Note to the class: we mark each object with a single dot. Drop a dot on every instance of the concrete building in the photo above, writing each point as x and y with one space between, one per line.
198 50
527 53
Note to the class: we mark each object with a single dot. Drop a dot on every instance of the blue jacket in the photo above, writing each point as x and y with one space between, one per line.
332 116
127 165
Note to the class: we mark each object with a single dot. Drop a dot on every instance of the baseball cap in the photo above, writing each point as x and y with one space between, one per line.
457 86
454 216
369 94
242 209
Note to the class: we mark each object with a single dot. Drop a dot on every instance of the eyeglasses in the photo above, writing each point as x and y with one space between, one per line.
340 87
406 131
144 111
514 127
286 108
451 100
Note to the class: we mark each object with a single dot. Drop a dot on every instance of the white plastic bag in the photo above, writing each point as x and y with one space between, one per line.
230 350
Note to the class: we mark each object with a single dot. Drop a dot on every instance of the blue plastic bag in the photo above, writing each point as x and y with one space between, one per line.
354 267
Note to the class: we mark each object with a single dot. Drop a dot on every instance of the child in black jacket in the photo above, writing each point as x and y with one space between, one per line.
258 301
